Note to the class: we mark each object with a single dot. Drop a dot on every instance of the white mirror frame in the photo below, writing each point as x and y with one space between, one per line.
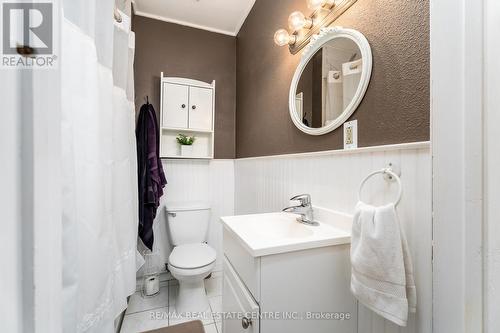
317 41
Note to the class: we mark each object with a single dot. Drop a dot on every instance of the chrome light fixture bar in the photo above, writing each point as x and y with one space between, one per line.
304 27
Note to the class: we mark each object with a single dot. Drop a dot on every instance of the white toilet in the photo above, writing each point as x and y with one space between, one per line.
191 260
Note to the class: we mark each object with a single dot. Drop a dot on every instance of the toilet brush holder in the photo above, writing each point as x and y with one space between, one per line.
151 282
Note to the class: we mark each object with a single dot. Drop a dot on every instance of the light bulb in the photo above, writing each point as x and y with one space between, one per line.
314 4
317 4
297 21
282 38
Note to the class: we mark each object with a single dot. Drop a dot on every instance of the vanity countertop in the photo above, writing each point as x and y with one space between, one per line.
273 233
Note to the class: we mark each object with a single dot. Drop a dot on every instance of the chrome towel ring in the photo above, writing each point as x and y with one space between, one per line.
385 171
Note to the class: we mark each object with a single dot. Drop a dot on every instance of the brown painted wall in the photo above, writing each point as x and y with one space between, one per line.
395 108
187 52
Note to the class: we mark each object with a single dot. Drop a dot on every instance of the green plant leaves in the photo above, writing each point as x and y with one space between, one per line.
185 140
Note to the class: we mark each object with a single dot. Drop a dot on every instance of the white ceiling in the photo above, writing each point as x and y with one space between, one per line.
222 16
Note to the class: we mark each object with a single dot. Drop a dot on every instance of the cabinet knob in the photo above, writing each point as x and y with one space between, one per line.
194 107
183 106
245 322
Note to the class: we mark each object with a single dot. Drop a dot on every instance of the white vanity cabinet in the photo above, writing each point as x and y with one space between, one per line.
292 291
239 304
187 107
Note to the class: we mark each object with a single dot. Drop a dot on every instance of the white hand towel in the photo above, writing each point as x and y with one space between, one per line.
382 275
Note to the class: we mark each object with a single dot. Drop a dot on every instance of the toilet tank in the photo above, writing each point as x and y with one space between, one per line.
188 222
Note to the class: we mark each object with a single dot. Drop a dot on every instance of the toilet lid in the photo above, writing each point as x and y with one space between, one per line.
190 256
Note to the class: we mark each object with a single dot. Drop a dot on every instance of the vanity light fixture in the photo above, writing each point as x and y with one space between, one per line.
282 38
304 27
318 4
297 21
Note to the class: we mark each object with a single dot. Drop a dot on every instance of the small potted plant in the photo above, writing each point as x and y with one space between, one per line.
186 143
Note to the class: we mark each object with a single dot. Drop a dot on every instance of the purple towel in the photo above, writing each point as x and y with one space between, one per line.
150 172
158 181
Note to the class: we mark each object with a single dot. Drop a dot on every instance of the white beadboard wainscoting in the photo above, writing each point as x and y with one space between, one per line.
209 181
264 184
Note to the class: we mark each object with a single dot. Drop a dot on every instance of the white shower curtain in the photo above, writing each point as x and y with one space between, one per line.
99 166
351 72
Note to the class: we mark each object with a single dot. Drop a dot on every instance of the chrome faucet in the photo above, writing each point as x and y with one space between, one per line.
304 209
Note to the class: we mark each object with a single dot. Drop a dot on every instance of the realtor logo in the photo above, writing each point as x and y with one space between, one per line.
27 34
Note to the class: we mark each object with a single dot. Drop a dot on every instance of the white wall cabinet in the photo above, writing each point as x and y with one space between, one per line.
200 108
187 107
175 105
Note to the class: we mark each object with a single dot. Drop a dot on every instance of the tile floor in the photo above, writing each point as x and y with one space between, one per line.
145 314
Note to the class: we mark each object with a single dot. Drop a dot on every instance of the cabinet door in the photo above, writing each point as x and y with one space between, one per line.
175 105
200 108
239 304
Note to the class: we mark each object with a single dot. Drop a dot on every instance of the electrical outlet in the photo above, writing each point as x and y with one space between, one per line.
351 134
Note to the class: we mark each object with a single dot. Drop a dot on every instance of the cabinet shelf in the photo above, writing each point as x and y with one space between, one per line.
202 147
179 157
191 130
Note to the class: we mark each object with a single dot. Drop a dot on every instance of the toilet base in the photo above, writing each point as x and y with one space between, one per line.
192 297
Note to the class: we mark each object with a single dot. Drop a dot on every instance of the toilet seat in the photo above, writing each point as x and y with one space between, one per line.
192 256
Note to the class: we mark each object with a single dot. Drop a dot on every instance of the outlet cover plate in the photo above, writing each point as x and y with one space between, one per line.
351 134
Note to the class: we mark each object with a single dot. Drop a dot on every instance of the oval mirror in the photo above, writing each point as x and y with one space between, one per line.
330 80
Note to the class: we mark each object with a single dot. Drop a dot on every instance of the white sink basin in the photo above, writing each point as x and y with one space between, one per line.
274 226
272 233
